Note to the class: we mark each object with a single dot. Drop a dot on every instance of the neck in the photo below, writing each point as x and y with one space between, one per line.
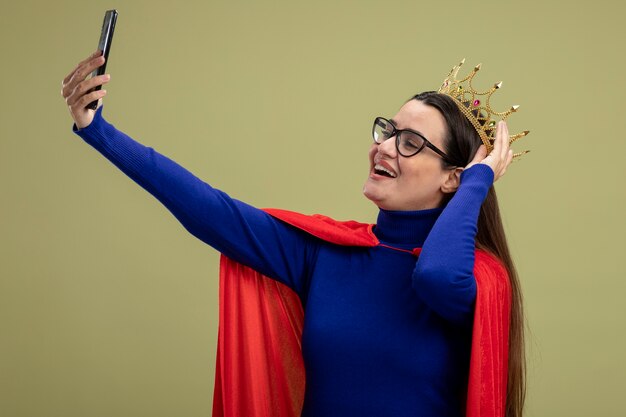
405 227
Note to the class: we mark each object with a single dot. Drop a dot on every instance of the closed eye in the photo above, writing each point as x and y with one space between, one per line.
410 144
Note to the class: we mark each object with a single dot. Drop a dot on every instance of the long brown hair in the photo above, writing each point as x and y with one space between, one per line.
461 142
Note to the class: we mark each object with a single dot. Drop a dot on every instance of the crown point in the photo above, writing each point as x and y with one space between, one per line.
469 101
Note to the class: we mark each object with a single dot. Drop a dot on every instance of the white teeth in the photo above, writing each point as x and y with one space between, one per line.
382 168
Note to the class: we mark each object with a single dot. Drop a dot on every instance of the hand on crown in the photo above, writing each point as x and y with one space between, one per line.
501 155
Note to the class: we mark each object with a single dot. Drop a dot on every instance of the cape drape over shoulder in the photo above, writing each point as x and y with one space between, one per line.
259 367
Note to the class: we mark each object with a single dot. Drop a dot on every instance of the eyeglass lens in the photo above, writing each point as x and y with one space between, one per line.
408 143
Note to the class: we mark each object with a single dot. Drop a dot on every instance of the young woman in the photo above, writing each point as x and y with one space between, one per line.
385 334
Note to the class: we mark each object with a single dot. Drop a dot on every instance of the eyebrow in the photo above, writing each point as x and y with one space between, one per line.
412 130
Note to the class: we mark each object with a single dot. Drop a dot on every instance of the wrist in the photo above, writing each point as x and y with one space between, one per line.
479 173
94 123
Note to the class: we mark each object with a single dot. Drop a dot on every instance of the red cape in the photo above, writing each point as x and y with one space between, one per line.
259 367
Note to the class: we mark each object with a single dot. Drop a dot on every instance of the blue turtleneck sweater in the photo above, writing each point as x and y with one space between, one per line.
385 333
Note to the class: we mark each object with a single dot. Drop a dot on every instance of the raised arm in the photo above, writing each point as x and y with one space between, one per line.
240 231
444 272
443 275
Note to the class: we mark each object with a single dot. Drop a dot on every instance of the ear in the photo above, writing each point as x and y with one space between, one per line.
452 180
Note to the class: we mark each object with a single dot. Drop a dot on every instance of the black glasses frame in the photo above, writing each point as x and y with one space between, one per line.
396 132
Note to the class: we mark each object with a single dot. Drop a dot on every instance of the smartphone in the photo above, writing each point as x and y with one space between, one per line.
106 37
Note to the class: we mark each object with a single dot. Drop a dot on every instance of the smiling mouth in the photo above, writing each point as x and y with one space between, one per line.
381 170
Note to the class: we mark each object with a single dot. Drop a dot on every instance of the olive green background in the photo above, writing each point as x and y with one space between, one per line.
108 306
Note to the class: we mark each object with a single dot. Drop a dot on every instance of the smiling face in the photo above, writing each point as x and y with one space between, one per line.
418 182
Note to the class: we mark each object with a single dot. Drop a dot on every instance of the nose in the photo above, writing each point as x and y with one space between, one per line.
388 147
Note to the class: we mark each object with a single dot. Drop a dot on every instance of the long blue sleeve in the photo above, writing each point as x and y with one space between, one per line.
443 275
244 233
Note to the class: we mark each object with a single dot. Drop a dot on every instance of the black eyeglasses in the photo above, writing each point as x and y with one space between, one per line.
408 142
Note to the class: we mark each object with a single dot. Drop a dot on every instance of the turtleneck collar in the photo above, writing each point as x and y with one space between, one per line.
405 227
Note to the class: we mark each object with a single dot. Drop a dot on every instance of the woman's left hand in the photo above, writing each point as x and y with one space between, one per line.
501 155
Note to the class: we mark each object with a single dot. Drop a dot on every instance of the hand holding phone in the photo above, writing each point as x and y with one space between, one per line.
81 93
78 91
104 45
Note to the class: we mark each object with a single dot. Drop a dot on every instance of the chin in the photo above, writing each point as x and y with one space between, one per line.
369 193
375 191
374 198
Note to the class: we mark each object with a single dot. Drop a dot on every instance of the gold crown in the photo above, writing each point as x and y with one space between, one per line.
475 106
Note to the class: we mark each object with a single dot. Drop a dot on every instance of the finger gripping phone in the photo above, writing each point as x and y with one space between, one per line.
106 37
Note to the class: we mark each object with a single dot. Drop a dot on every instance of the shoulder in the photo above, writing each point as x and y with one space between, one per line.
345 233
